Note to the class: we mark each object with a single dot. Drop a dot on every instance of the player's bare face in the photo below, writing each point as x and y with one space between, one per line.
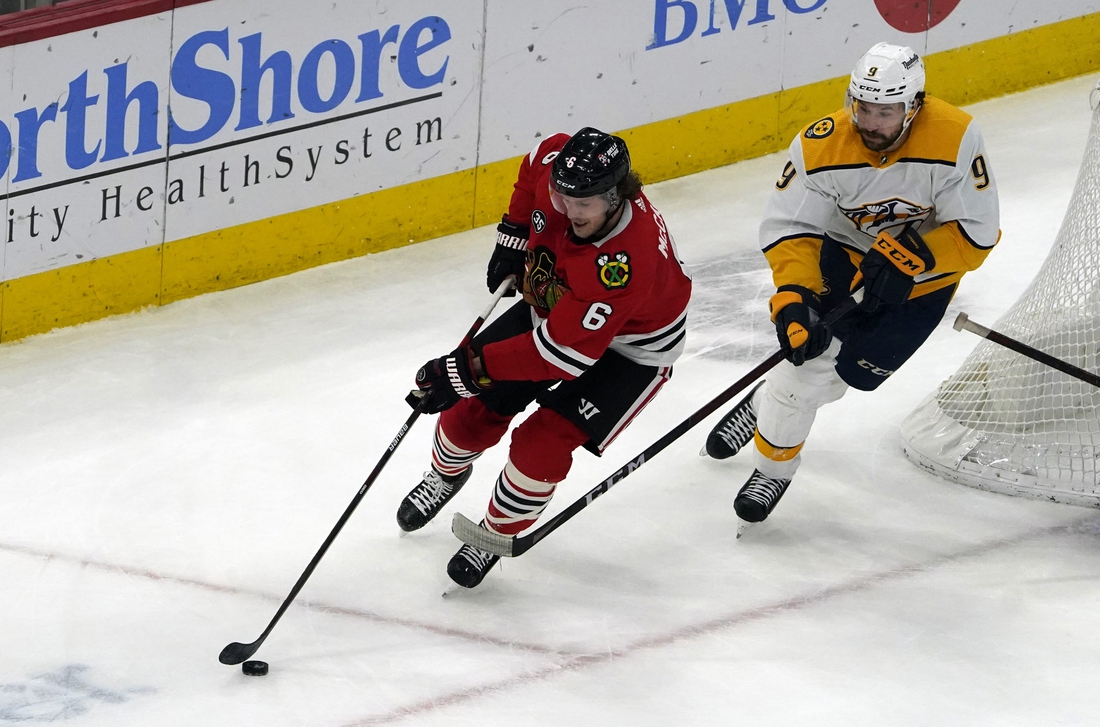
880 124
587 215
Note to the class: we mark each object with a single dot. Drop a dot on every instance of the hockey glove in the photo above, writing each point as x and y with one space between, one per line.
802 334
890 266
447 380
509 256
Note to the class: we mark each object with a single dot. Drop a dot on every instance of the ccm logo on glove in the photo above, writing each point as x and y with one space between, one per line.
904 260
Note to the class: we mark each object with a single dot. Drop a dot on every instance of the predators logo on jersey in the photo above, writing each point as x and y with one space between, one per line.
542 288
614 270
820 129
890 214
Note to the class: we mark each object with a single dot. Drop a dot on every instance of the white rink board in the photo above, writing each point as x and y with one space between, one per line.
976 20
550 69
482 82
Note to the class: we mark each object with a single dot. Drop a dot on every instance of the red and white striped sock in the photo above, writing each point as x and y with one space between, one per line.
517 501
448 459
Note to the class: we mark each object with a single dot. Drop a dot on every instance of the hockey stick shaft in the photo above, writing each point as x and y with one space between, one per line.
497 295
963 322
236 652
512 546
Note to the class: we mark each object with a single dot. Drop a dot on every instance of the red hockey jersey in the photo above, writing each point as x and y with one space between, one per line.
627 292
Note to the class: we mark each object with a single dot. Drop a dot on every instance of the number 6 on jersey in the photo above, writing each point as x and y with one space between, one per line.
596 316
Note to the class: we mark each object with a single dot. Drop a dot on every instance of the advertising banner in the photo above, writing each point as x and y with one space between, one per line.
213 143
164 127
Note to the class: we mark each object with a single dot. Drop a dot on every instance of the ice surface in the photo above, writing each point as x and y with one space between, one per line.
166 476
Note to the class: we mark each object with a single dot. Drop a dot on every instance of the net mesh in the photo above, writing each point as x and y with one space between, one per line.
1023 422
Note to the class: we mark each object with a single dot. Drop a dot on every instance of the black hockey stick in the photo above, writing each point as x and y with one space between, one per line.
236 652
511 546
963 322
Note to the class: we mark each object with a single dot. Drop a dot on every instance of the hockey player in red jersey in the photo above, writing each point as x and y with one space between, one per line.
602 320
895 190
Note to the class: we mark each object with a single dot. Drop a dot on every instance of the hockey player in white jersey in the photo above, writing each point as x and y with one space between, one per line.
894 191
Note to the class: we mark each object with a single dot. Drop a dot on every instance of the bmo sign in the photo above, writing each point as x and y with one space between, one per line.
674 21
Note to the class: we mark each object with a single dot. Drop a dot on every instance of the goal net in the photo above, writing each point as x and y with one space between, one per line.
1006 423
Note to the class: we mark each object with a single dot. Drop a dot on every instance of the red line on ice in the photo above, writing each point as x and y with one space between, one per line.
738 618
324 608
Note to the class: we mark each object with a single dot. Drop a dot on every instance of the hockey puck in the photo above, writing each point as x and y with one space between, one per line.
254 668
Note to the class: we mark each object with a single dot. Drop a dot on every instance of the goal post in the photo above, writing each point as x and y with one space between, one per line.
1010 424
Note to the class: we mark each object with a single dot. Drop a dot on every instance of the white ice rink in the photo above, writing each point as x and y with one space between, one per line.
166 476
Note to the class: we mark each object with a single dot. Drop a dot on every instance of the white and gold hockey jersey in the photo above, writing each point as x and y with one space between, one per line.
939 180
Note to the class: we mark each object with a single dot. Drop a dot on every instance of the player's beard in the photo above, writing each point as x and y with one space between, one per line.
877 142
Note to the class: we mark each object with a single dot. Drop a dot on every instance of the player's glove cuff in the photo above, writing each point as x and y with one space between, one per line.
509 256
513 236
793 294
445 381
801 333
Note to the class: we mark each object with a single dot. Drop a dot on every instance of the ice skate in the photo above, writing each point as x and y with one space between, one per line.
428 498
758 498
469 566
734 431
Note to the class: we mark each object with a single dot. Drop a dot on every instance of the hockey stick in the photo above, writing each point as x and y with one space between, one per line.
963 322
511 546
236 652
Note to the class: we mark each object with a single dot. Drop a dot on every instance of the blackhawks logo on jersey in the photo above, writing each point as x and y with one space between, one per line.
614 270
890 214
541 287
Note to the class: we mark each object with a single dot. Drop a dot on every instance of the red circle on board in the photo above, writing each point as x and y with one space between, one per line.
915 16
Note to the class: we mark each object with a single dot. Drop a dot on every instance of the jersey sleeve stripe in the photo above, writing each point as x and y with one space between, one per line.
563 357
673 343
971 240
802 236
645 340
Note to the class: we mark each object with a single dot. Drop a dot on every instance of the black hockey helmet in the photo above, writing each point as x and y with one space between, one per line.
590 163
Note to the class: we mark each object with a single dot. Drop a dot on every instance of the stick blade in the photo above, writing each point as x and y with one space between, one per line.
472 534
236 653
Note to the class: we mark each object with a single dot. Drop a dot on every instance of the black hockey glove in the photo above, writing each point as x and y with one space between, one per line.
796 313
890 266
509 256
447 380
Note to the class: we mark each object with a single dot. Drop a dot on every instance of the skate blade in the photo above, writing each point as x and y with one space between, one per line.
743 527
452 589
703 451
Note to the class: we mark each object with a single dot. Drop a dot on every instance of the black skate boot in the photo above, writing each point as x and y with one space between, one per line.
469 566
735 430
759 496
429 497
